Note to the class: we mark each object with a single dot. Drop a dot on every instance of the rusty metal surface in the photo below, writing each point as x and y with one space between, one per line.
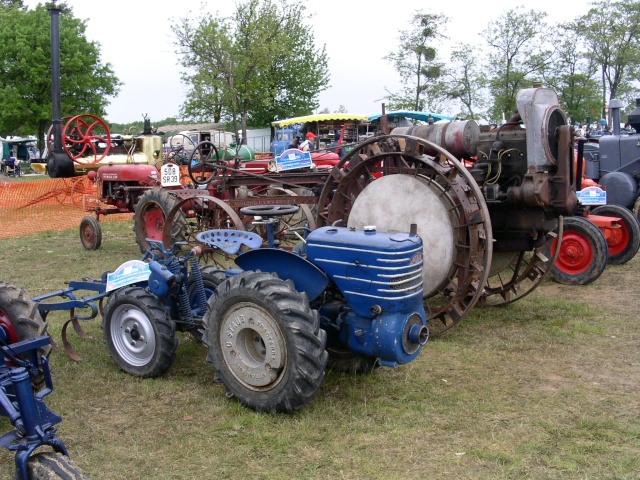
403 155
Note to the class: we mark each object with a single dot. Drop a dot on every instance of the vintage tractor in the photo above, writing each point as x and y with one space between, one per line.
25 380
351 298
486 201
604 231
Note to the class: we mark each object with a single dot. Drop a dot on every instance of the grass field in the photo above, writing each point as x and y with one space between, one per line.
546 388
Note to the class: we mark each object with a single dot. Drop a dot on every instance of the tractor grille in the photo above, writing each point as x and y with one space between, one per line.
373 273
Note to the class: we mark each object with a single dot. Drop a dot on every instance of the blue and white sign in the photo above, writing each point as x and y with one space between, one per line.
592 196
292 159
128 273
170 175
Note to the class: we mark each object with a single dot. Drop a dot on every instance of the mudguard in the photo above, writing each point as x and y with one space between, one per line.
305 275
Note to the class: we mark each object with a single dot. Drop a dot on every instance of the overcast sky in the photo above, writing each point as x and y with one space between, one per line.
136 39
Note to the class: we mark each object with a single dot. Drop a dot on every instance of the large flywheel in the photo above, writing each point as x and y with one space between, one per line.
390 182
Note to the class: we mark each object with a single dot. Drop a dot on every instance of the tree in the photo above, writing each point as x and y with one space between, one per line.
467 84
518 54
417 64
255 66
25 71
611 31
573 76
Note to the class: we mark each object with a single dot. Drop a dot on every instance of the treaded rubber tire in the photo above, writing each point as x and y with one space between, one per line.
630 242
90 233
590 261
18 307
239 355
53 466
135 307
146 204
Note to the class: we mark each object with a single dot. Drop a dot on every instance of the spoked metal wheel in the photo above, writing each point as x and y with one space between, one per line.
204 212
521 272
446 204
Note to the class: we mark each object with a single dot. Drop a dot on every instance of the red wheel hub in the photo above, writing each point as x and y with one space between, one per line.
7 326
575 254
618 238
154 223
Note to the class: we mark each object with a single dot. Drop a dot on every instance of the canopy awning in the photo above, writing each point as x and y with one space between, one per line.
424 116
320 117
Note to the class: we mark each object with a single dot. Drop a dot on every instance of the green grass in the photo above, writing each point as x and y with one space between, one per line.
546 388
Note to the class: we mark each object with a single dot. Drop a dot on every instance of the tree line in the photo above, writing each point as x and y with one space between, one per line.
588 61
262 63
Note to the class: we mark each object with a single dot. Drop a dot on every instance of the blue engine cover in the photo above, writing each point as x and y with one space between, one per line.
370 268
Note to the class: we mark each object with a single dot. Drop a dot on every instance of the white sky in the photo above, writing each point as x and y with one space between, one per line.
136 39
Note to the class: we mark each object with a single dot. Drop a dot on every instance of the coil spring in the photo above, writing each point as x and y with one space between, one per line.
184 305
196 275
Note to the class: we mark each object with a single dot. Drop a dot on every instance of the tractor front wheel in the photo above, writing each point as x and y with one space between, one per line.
90 233
583 253
139 333
265 342
624 241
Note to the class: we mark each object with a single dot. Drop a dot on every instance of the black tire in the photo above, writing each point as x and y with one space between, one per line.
139 333
342 359
150 211
583 253
622 247
212 276
20 313
246 310
90 233
51 466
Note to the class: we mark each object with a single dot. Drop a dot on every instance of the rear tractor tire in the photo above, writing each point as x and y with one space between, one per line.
139 333
265 342
21 320
583 253
150 213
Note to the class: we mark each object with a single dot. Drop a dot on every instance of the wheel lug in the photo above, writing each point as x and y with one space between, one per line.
133 343
127 330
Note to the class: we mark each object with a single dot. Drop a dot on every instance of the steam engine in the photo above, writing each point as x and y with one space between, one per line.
524 164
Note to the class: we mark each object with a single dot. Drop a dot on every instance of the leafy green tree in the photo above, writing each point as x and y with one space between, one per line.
611 31
253 67
467 83
417 65
25 71
573 76
517 55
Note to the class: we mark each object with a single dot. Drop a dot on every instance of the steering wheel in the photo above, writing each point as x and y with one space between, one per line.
270 210
204 163
82 135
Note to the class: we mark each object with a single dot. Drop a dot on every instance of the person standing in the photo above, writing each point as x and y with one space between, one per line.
308 144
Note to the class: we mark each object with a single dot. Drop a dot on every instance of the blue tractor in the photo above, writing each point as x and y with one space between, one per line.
345 298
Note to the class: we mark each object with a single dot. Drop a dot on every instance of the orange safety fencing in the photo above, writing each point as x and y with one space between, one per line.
51 204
